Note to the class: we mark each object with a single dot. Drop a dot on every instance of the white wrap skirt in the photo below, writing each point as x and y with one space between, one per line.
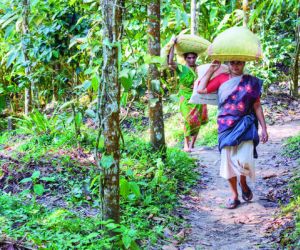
238 160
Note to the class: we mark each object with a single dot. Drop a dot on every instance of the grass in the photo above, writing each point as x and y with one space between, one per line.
291 147
291 237
149 192
50 229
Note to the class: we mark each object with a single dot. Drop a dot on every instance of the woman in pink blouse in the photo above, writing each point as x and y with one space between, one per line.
239 110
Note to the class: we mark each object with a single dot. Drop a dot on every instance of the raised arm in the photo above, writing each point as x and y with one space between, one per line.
172 64
260 116
202 83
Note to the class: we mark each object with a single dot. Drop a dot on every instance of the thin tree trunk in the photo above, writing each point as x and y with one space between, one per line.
295 86
25 31
194 27
15 103
157 135
109 103
54 84
184 5
245 9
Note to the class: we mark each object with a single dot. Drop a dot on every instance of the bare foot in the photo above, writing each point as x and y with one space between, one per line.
187 150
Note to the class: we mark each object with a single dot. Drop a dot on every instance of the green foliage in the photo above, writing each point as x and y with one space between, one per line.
149 186
37 123
217 16
34 146
38 188
64 44
290 239
149 190
56 229
291 147
277 36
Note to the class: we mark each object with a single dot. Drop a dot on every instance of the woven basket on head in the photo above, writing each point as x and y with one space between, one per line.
184 44
235 44
190 43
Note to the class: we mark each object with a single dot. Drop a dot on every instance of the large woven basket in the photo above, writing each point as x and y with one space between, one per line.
190 43
235 44
184 44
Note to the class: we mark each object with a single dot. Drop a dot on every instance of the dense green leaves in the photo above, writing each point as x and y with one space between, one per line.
64 43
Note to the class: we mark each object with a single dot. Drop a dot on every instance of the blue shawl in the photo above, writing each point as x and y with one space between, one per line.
236 119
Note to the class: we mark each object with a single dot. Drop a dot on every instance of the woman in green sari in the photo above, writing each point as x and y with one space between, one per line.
193 114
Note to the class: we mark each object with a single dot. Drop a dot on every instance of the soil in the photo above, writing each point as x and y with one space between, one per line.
253 225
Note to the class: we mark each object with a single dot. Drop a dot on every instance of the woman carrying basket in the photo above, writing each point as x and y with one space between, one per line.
239 111
193 114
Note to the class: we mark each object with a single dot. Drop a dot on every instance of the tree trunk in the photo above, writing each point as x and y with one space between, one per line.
245 9
109 103
54 84
184 5
25 31
194 27
157 136
295 86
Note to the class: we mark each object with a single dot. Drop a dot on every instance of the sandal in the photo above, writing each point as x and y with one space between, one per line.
231 204
248 195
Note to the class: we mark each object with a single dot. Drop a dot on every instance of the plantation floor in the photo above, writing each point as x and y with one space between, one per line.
253 225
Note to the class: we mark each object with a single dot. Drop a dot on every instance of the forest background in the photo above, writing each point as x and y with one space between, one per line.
77 77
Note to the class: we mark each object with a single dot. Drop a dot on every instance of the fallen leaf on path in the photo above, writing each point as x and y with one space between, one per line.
195 198
242 219
169 247
167 232
150 216
269 176
158 219
256 222
205 243
181 234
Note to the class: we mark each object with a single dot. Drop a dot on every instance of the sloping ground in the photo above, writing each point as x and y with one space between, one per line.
251 225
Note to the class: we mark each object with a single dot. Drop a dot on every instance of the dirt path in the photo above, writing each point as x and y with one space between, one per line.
215 227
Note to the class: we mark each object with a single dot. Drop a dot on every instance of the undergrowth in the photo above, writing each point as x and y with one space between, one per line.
291 147
50 191
291 238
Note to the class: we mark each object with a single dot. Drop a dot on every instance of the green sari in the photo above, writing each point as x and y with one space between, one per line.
193 114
